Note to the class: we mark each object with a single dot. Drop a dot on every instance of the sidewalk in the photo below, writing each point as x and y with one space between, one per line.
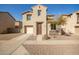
7 48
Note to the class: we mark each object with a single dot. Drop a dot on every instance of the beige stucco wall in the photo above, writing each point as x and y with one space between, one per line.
73 22
25 21
41 18
49 28
6 21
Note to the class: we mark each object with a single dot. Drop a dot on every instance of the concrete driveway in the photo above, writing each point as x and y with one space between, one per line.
9 36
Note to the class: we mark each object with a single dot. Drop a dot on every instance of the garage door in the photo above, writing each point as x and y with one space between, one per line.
29 29
77 29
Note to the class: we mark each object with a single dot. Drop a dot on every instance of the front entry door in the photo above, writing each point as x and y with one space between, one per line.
39 28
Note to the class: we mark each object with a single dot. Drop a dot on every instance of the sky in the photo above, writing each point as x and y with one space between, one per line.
16 10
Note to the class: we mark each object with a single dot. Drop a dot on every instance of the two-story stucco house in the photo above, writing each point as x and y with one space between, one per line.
37 22
34 22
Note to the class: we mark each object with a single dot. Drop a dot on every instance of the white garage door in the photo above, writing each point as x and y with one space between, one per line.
29 30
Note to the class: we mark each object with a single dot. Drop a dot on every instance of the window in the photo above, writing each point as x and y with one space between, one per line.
53 26
29 17
77 18
39 12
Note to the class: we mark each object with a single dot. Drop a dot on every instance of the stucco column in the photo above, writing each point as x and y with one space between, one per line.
46 30
39 37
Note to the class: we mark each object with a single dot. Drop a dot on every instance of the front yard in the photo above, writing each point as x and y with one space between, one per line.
60 45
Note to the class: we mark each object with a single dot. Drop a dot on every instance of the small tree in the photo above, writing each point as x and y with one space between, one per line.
61 20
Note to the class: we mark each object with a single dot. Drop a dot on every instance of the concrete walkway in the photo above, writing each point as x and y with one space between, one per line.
8 47
21 51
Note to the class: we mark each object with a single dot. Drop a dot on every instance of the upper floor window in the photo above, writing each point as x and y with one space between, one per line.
39 12
29 17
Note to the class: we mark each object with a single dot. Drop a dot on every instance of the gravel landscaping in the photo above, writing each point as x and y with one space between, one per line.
63 37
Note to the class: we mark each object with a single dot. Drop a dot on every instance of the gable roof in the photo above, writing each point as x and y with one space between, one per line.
26 12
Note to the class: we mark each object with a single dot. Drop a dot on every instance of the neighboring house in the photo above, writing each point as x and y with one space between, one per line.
72 23
18 26
7 23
